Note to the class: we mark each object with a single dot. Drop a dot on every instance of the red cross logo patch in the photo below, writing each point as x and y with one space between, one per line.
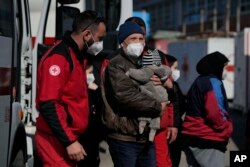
54 70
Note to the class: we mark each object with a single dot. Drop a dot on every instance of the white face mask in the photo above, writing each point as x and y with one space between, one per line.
95 48
176 74
224 75
134 49
90 78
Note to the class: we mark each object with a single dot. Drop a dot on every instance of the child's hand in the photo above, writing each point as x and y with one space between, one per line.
156 80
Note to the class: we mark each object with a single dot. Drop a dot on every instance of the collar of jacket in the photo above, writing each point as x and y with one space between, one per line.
71 43
133 60
210 76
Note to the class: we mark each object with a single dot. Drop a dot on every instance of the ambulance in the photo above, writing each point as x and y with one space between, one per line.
15 48
242 71
27 29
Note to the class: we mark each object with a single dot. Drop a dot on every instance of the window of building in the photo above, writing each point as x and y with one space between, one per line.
210 5
168 21
245 6
108 9
192 11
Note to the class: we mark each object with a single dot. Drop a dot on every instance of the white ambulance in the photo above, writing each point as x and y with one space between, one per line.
18 64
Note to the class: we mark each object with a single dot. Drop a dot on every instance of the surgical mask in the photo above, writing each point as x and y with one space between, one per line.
176 74
90 78
95 48
134 49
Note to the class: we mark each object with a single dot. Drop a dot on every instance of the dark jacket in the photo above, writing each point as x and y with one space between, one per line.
124 101
179 103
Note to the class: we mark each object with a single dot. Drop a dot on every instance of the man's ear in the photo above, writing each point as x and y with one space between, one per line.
86 35
123 44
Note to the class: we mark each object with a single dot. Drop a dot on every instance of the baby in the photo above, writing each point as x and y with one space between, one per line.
151 66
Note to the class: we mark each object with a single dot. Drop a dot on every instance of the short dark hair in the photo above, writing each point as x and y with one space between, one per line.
87 19
171 59
136 20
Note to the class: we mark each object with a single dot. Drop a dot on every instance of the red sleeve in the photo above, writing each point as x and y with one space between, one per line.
54 73
167 118
170 107
164 120
103 67
161 149
214 114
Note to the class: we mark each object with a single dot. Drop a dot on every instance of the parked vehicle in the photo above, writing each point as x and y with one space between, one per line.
15 49
242 71
189 52
19 57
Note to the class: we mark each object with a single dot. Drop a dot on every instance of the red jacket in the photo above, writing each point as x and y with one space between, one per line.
161 145
62 98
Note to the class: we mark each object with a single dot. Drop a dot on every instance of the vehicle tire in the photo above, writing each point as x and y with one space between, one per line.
18 160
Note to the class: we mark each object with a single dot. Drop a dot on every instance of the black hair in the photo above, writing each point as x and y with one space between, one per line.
136 20
171 59
87 19
212 63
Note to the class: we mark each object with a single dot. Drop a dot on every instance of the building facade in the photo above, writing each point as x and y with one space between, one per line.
196 16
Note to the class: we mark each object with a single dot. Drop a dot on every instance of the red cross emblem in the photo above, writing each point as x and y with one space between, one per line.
185 66
54 70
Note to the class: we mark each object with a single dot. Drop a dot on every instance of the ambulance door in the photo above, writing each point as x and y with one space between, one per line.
7 53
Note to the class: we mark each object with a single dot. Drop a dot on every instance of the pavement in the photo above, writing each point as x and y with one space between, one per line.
105 157
236 142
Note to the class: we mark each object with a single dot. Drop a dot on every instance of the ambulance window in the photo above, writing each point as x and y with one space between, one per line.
26 16
6 41
65 16
5 18
18 20
110 10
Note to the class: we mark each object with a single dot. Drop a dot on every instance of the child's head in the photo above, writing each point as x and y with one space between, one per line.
173 63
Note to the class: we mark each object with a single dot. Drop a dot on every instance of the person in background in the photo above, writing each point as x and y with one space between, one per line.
207 125
95 131
125 103
62 98
179 109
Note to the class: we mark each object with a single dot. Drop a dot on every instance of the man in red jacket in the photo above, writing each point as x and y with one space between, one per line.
62 99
